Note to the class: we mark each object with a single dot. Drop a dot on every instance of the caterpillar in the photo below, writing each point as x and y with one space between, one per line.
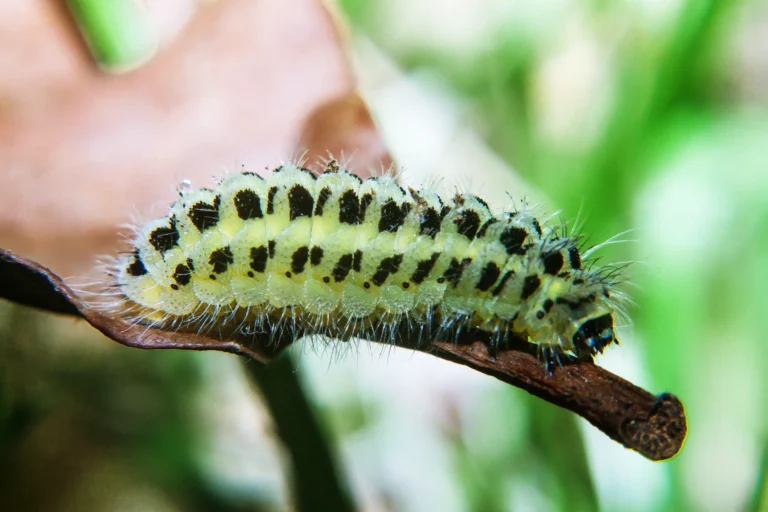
333 255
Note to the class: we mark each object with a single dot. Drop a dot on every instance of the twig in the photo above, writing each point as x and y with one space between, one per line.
654 426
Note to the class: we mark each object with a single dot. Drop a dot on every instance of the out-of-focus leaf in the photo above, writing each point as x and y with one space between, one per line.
83 153
343 127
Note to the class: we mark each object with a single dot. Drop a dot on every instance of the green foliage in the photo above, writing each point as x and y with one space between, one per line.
675 113
671 143
117 32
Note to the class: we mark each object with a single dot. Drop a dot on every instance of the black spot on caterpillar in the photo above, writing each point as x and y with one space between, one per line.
392 216
491 273
205 215
248 205
342 268
164 238
530 285
316 256
553 262
136 267
349 208
220 259
424 267
299 259
512 239
455 268
342 257
322 197
259 258
484 228
468 224
388 266
300 201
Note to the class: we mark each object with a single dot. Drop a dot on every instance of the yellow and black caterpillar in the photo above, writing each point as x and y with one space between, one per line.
337 256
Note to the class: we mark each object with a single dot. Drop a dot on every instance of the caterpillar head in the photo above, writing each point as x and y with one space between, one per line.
594 335
572 309
586 320
571 317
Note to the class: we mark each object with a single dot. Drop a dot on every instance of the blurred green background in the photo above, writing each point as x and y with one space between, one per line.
641 115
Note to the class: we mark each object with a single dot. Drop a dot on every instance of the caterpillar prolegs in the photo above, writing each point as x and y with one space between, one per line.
338 256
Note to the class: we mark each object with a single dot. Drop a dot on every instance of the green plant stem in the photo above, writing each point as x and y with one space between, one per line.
316 481
117 32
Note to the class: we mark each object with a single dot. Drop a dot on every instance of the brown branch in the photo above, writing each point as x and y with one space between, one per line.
29 283
654 426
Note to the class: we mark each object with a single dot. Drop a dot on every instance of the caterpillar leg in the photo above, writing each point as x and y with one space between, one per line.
555 357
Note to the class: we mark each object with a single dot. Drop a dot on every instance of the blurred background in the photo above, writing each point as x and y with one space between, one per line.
643 117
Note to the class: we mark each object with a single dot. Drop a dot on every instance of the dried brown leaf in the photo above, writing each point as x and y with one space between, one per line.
82 152
344 127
